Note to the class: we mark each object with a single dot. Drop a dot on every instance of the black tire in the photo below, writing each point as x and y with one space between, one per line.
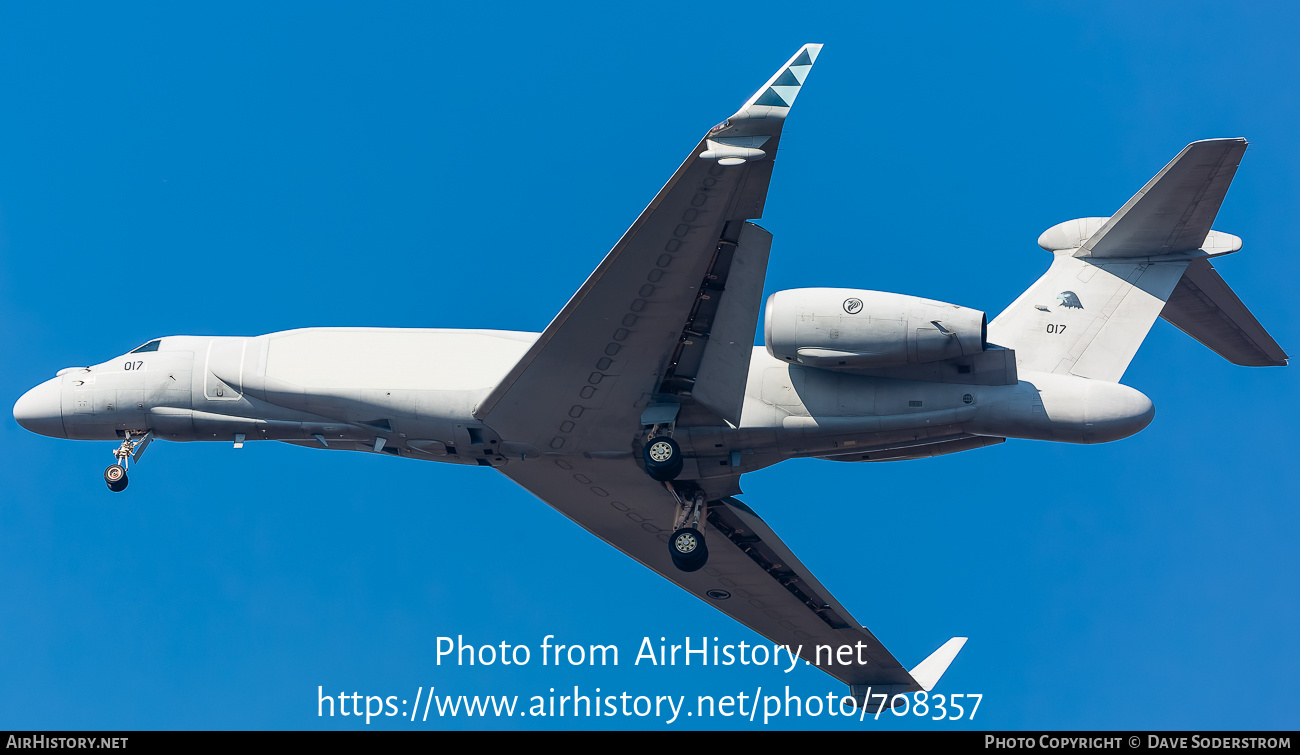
663 459
688 549
119 485
115 473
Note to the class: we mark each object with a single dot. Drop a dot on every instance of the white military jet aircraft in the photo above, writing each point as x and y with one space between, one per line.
638 409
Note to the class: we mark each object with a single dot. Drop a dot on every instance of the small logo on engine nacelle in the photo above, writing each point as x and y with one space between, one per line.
853 306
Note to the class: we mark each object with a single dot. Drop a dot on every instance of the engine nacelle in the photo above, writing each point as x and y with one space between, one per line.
847 329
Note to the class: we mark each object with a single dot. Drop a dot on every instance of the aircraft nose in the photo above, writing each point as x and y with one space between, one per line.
40 410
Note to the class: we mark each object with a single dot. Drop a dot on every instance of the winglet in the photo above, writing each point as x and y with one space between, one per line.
744 136
928 671
783 87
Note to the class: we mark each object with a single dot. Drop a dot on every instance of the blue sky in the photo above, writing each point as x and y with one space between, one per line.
246 169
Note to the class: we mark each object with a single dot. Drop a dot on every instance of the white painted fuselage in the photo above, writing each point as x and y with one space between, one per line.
413 392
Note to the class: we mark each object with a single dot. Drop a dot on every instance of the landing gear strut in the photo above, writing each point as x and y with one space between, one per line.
663 462
686 545
130 450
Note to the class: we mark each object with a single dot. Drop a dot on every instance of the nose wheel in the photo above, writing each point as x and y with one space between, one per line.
131 450
115 477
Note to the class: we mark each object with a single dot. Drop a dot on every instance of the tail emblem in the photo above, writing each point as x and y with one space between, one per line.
1069 299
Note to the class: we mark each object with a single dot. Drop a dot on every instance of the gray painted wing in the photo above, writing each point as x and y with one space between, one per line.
583 384
1174 211
717 367
770 591
1204 307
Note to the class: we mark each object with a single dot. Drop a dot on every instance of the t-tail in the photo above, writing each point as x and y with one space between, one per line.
1112 277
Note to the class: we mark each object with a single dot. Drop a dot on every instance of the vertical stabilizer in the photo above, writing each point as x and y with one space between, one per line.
1084 318
1111 277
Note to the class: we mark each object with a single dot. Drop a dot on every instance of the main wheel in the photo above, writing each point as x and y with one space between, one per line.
663 459
688 549
115 478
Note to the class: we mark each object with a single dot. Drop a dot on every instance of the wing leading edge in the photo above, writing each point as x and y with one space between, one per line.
583 384
670 314
751 575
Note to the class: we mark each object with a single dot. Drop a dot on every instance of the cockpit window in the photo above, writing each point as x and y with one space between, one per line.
151 346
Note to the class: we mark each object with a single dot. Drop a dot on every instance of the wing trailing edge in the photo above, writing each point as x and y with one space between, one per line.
583 383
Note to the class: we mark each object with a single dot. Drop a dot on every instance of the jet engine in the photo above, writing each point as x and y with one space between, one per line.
847 329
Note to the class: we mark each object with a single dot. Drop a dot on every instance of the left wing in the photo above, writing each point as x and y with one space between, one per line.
751 575
583 384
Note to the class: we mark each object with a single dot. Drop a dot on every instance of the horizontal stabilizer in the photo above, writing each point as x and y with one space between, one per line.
1174 211
928 671
1204 307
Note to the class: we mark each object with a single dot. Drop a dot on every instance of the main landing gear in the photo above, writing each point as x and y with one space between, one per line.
686 545
130 450
663 462
663 458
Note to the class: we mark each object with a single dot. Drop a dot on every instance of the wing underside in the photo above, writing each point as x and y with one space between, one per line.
668 319
751 575
622 338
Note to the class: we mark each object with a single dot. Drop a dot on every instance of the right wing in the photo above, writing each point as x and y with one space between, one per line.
1174 211
751 575
672 309
631 329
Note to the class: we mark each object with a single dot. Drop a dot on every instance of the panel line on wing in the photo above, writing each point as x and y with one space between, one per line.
684 366
726 523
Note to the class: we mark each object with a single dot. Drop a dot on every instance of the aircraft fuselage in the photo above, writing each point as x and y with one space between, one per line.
413 392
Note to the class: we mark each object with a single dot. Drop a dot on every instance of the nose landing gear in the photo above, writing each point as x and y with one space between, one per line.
130 450
115 477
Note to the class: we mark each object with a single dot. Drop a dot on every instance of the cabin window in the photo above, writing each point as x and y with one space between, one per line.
151 346
913 403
